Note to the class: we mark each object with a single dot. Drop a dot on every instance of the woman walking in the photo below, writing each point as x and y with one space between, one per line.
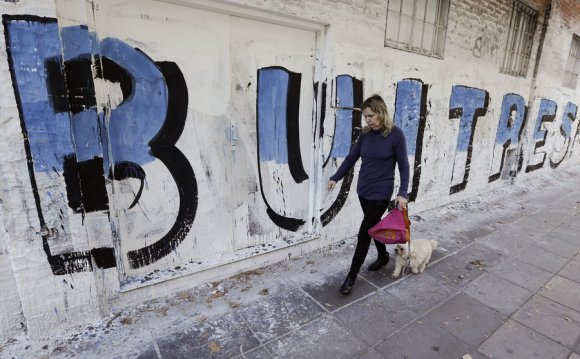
380 146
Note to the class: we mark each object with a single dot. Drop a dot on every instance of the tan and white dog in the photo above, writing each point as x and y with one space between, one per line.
421 250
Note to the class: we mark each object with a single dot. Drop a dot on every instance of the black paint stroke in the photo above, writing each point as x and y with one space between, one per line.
125 169
163 148
322 108
457 113
419 141
65 263
507 144
575 137
93 190
78 93
295 164
72 182
109 70
572 117
85 184
555 164
104 257
288 223
542 142
322 122
342 196
79 83
56 83
75 262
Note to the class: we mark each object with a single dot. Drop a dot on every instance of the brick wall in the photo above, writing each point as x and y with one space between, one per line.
569 10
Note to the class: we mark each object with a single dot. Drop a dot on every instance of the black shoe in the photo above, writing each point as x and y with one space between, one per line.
379 263
346 287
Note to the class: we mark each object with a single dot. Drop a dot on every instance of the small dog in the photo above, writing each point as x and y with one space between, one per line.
421 250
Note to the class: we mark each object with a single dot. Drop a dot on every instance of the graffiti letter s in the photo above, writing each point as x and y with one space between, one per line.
546 113
568 118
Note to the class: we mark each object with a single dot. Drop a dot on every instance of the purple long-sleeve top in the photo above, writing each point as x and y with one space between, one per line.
379 155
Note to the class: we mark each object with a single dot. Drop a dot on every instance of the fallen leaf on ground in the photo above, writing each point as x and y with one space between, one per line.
478 263
245 275
213 347
218 294
162 311
234 305
185 296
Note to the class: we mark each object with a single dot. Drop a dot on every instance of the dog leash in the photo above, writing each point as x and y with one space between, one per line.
408 225
407 265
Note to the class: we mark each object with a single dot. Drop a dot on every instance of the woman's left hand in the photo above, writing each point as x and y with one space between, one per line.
401 201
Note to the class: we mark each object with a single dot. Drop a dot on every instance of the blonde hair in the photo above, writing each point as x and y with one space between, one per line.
376 104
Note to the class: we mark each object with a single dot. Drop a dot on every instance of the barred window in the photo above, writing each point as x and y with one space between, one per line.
520 38
417 26
573 65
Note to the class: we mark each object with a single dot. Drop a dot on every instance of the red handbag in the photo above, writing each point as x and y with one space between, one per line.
395 228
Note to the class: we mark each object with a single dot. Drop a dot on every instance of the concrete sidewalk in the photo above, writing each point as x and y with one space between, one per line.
504 283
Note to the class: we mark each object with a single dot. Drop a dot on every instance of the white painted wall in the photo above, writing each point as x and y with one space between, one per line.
10 306
219 46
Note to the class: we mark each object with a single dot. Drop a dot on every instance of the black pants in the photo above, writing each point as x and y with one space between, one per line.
373 212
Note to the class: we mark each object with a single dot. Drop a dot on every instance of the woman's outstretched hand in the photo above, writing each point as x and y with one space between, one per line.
402 201
331 184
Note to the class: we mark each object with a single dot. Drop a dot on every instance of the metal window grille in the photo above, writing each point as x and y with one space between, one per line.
573 65
520 38
417 26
